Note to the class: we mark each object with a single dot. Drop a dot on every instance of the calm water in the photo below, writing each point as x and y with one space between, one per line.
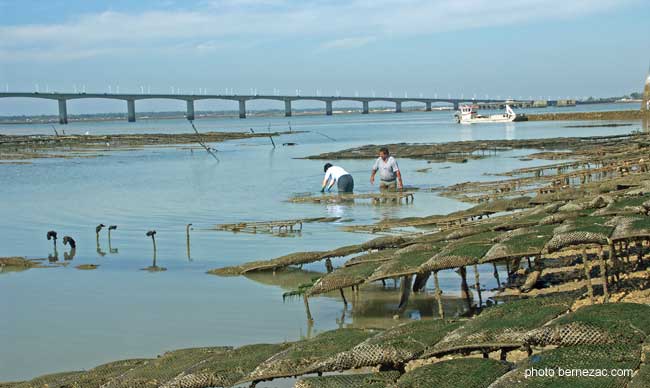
64 319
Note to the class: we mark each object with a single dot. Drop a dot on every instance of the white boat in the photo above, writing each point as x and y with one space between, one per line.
469 115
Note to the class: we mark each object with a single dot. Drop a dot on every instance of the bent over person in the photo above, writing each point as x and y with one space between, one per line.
336 174
389 175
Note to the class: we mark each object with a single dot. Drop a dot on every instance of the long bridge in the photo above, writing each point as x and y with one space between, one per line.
130 99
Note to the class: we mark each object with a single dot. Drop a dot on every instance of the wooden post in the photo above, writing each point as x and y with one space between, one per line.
615 262
603 274
441 312
154 250
590 289
305 300
345 302
187 240
405 291
464 289
496 275
478 285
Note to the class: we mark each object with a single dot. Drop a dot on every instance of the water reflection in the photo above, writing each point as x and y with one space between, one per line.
51 235
369 306
98 229
110 247
466 133
67 240
510 131
187 238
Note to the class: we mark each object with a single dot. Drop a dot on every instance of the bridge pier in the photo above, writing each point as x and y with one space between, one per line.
287 108
130 106
63 112
328 108
428 109
190 110
398 106
365 108
456 105
242 109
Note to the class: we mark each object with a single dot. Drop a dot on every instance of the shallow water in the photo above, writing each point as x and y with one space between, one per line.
59 319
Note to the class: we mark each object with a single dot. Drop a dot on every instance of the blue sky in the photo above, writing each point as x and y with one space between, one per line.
507 48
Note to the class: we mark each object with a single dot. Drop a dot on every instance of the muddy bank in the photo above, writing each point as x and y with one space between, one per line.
608 115
16 147
460 151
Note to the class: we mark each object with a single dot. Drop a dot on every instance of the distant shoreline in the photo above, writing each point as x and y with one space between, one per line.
604 115
53 119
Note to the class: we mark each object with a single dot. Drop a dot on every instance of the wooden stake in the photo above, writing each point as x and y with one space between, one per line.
187 240
405 291
441 312
306 301
496 274
464 289
345 302
478 285
603 274
590 289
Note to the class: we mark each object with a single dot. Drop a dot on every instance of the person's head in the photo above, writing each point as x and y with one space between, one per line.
383 153
327 166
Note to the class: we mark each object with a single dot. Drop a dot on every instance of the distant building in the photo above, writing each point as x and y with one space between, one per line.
566 102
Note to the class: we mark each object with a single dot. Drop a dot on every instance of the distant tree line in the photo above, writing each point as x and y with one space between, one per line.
631 96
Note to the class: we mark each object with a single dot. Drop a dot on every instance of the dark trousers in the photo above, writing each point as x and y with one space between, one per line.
345 184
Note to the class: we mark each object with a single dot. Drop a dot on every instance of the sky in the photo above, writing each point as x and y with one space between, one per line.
505 48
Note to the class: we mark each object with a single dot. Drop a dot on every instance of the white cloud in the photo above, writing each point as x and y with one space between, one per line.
346 43
338 24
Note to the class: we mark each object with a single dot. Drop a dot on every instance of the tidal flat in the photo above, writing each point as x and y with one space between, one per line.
377 294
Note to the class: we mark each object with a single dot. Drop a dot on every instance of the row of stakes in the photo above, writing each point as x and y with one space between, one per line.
52 235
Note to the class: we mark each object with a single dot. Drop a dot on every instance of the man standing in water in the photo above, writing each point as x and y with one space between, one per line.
389 175
336 174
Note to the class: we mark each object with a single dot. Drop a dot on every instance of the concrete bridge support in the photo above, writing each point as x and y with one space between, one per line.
456 105
63 112
287 108
242 109
428 107
190 110
328 108
130 106
365 108
398 106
